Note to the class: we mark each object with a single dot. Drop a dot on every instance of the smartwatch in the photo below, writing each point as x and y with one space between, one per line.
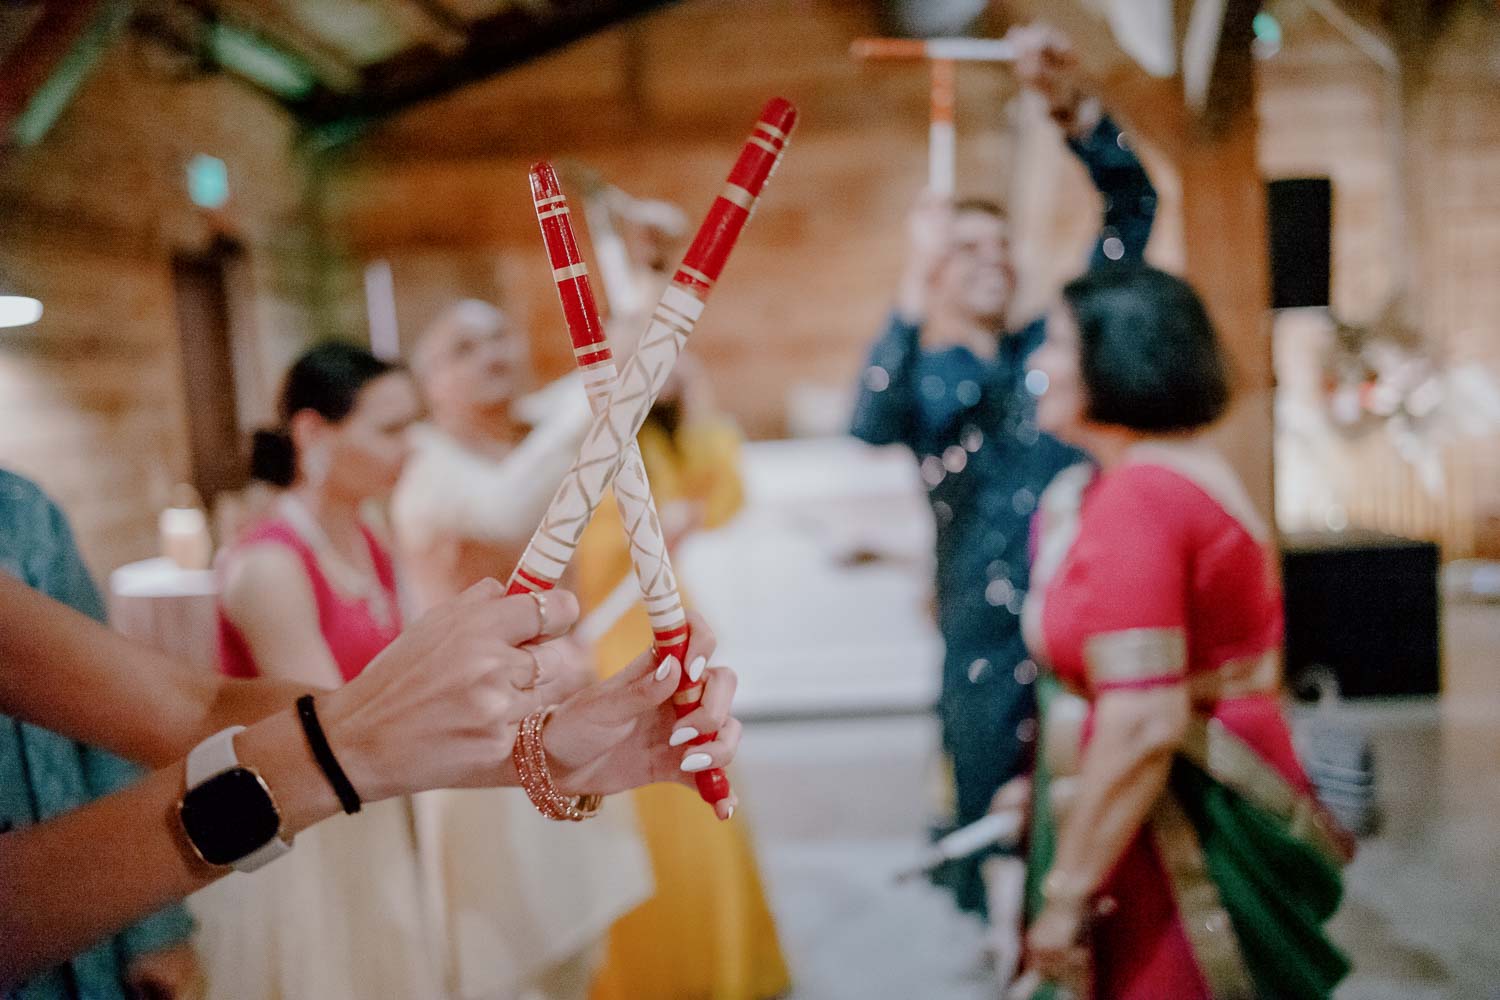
228 813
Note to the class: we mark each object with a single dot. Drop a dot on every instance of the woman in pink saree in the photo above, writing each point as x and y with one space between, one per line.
1177 849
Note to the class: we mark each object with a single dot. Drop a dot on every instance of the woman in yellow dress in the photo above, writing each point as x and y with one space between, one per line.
707 933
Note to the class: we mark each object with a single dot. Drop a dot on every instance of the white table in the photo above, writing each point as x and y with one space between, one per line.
809 629
172 609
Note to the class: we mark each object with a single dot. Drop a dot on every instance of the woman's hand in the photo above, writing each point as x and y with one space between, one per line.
618 734
680 520
441 706
1046 63
1054 945
1013 796
169 973
929 237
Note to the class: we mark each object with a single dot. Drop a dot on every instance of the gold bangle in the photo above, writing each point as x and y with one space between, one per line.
536 777
1065 889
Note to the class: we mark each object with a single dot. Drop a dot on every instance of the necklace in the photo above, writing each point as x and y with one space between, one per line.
359 583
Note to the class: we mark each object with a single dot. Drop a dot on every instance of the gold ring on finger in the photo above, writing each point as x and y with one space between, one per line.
535 677
541 610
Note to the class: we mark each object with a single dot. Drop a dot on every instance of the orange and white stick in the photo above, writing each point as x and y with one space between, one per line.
944 55
993 50
942 140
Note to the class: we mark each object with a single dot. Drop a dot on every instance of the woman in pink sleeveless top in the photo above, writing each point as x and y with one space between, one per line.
351 631
309 594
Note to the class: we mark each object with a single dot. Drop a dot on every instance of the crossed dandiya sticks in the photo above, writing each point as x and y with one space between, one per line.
621 403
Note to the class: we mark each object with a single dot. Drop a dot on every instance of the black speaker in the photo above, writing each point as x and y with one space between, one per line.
1365 606
1300 215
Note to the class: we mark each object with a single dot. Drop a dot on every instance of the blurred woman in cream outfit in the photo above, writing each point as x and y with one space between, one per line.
309 595
519 904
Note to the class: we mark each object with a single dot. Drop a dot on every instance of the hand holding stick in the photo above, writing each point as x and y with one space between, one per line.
629 400
648 545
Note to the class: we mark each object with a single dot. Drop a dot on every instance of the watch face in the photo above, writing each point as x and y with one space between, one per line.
229 816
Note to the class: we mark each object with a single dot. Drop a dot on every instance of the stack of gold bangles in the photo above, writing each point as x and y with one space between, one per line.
536 777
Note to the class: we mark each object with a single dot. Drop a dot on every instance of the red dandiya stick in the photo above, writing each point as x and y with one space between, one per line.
640 380
648 544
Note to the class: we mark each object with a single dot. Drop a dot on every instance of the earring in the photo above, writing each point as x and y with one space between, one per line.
315 466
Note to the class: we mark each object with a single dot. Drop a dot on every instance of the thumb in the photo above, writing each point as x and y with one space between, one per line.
645 683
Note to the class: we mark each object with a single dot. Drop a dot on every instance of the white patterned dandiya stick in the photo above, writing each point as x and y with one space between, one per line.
604 446
647 542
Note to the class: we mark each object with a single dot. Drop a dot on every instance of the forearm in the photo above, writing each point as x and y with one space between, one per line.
88 873
65 672
914 292
886 409
1120 780
1122 181
502 501
529 476
229 703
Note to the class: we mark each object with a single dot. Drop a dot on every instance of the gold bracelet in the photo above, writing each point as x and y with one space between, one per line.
1066 890
531 764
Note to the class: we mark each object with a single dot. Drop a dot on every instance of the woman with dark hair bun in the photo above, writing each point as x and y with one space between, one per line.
309 595
1177 849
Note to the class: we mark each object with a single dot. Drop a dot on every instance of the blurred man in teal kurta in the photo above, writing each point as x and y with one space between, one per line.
43 774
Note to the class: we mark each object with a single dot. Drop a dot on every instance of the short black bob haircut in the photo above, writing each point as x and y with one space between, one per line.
1149 359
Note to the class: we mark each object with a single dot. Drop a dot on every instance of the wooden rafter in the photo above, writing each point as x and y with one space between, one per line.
1217 62
516 34
268 18
35 58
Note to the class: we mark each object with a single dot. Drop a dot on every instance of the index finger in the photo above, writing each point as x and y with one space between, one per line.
518 619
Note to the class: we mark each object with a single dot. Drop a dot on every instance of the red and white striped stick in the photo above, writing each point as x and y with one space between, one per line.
648 544
993 50
604 445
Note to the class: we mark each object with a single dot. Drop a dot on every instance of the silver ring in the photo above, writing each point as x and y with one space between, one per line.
541 610
536 670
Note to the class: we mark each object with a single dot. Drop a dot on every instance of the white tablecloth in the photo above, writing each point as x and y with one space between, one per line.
820 590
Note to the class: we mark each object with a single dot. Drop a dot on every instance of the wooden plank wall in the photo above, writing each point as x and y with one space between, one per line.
809 284
91 400
1323 110
441 193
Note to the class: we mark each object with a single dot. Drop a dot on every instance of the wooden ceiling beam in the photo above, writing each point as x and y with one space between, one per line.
1217 61
34 59
517 34
434 23
1373 40
268 18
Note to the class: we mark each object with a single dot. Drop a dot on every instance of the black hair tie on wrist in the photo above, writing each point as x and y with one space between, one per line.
307 714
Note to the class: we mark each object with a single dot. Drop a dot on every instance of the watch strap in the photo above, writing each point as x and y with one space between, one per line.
263 855
216 755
